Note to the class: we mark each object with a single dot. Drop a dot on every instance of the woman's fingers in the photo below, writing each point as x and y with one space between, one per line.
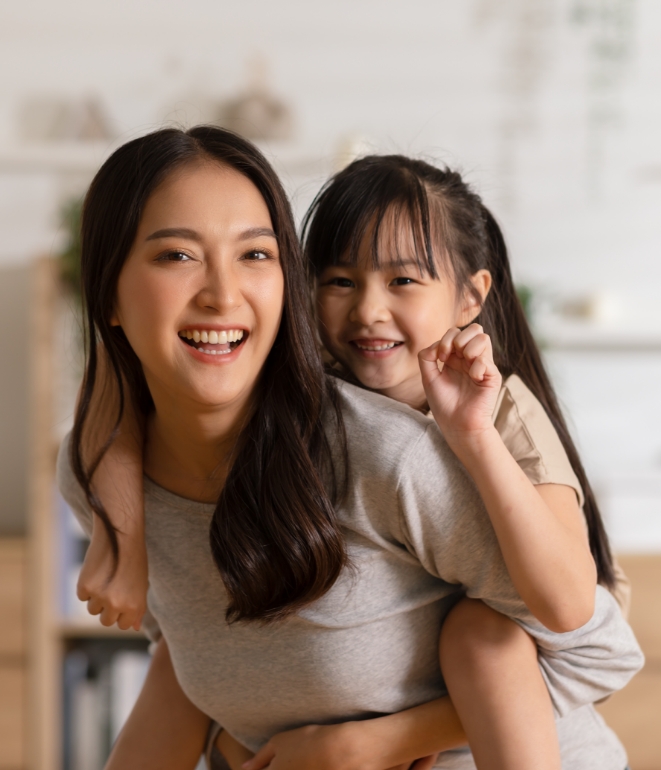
262 758
426 763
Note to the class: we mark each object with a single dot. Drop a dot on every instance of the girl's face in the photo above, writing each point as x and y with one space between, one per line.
200 295
375 322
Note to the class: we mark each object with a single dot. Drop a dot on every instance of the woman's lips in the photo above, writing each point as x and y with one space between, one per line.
212 345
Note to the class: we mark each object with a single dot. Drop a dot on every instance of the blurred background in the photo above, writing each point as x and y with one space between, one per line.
552 108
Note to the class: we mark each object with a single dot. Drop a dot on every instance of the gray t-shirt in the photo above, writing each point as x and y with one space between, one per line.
417 535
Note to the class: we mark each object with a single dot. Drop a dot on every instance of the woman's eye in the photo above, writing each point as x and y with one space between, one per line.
256 256
174 256
344 283
402 281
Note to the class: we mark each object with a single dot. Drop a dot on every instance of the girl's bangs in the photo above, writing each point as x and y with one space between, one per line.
390 206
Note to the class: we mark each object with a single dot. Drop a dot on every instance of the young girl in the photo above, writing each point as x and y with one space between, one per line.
405 217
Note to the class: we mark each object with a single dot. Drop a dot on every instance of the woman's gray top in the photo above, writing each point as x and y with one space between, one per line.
418 536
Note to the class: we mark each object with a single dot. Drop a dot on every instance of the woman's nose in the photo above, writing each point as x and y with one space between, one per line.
221 291
369 309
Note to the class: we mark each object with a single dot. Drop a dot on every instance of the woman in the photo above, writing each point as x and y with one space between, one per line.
335 598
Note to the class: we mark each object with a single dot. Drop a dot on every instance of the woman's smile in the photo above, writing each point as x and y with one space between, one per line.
200 296
210 342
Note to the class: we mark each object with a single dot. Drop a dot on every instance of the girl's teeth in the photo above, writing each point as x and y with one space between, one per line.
204 336
377 347
213 338
196 336
222 338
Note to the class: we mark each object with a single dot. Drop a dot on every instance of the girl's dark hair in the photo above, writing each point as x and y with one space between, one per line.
274 534
451 230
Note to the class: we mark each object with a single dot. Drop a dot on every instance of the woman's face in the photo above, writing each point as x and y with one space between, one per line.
201 293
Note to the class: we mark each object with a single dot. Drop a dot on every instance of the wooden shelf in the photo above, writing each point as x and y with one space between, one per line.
82 629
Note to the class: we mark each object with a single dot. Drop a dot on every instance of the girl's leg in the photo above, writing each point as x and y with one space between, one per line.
490 667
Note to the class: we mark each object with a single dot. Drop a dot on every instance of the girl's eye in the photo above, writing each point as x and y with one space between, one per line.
344 283
256 256
402 281
174 256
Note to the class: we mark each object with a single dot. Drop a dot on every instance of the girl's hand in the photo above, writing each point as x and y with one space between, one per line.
462 383
323 747
121 599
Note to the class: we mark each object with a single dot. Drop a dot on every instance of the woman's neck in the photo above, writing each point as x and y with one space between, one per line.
188 451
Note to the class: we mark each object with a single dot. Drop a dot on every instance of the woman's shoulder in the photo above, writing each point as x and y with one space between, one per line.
385 436
528 433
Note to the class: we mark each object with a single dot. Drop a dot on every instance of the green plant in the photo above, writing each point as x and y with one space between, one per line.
69 257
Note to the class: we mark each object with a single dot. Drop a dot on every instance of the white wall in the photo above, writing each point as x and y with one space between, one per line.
552 107
560 134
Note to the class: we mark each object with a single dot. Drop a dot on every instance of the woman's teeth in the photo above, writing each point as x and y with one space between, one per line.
386 346
223 339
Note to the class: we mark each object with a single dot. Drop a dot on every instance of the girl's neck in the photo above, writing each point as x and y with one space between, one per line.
188 451
409 392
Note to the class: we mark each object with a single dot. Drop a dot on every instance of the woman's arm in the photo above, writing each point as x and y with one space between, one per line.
118 484
540 530
392 741
165 731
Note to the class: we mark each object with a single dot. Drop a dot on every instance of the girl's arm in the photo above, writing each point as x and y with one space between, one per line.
540 530
165 731
117 482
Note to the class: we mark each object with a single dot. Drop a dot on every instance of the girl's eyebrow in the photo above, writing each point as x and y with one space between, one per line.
393 264
193 235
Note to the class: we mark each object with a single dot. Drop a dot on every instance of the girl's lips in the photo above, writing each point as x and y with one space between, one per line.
375 348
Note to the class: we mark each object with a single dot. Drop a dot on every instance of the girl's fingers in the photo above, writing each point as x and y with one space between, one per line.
448 343
478 370
465 337
478 346
429 354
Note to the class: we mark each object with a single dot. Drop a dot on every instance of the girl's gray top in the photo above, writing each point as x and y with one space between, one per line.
418 536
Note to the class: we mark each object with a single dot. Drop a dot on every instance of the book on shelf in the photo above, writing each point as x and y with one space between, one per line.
102 682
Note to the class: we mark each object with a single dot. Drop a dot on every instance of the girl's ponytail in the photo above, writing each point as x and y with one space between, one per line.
516 352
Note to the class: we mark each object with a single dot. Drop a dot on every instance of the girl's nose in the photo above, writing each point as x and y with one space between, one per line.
369 309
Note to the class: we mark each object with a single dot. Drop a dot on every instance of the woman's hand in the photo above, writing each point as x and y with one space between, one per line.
462 383
324 747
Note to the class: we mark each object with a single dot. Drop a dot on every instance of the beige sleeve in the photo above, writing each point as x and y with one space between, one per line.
529 435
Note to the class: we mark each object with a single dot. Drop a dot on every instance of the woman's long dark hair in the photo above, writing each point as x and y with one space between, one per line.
450 227
274 535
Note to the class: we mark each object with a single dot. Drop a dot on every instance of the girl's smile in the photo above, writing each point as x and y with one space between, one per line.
376 321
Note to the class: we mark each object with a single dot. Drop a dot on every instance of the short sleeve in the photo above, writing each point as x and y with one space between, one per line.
529 435
446 526
76 499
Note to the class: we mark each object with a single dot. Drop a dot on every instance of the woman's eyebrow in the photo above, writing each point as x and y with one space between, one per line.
175 232
256 232
193 235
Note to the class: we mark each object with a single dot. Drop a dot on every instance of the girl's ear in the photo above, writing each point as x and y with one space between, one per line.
470 306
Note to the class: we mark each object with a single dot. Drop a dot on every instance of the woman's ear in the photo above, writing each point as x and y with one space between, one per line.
470 305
